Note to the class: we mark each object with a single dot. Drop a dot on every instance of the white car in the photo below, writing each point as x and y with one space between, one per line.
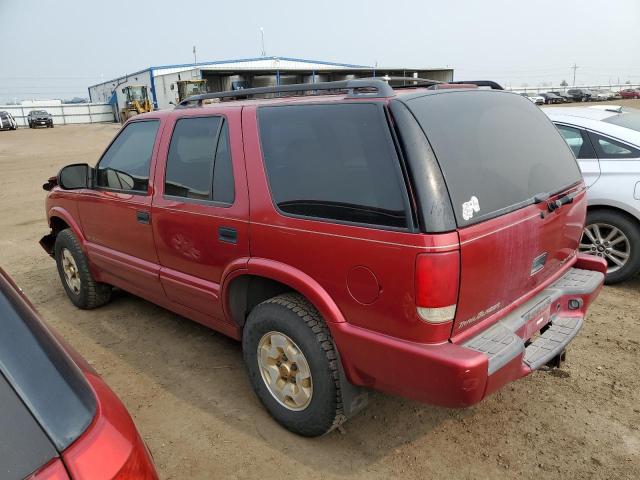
537 99
606 142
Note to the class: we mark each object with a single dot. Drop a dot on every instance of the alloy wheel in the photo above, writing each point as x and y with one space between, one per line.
608 242
71 273
285 371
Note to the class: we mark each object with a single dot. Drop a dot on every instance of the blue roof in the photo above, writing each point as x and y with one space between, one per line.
238 60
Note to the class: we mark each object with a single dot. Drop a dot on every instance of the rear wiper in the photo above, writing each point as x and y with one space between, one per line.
552 206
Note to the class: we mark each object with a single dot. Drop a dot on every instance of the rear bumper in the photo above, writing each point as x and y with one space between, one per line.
453 375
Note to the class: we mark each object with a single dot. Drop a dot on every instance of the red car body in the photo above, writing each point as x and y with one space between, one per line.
367 283
630 93
109 447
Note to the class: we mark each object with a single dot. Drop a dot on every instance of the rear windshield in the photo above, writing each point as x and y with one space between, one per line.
627 120
496 151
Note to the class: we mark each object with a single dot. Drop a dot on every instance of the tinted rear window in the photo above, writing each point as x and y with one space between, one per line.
335 162
496 151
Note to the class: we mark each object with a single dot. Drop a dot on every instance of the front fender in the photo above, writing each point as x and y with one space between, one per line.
67 218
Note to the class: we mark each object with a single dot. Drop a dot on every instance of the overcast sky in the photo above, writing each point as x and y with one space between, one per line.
54 49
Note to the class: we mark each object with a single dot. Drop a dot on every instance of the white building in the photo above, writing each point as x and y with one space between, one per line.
245 73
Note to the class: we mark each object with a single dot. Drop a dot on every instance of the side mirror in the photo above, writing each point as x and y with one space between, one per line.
75 176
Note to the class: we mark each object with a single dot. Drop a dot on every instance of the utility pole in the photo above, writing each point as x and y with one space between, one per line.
262 53
574 67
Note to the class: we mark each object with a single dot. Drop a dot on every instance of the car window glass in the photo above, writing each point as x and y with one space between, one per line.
191 155
573 138
608 148
333 161
223 185
125 165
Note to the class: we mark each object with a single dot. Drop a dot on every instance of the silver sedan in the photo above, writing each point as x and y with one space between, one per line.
606 142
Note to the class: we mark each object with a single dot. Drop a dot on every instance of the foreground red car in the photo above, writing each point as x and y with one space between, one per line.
416 241
59 420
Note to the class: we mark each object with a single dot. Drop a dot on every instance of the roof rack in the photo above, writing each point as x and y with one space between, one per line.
480 83
360 87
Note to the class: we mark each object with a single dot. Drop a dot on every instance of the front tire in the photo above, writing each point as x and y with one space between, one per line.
293 365
73 268
616 238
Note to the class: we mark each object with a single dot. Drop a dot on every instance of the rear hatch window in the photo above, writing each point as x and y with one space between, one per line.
496 150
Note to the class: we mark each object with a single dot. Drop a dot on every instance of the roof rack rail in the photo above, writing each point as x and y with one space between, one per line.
375 88
415 80
480 83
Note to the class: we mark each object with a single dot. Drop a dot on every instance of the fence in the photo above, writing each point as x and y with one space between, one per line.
557 88
64 114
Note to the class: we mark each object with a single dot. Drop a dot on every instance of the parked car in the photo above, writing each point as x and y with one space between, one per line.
579 95
606 142
39 118
7 122
566 98
59 420
534 97
602 95
551 98
345 250
630 93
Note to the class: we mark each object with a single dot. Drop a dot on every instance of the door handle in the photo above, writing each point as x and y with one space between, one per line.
143 217
227 234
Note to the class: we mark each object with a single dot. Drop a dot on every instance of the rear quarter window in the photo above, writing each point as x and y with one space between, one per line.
334 162
496 150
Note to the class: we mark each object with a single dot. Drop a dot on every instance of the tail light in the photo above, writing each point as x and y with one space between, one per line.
437 281
54 470
139 466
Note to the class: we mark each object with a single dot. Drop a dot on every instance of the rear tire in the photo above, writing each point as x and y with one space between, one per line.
73 268
280 334
627 241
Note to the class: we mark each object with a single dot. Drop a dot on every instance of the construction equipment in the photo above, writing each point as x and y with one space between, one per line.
136 101
187 88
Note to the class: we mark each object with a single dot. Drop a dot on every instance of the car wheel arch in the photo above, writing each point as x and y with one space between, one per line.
243 289
60 219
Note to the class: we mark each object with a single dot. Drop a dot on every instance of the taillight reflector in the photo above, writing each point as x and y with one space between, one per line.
436 282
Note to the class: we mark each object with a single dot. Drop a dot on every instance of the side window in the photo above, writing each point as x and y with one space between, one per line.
608 148
577 141
125 165
199 162
336 162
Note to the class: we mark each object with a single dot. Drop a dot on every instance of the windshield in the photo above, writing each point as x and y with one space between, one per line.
627 120
496 151
39 112
193 88
136 93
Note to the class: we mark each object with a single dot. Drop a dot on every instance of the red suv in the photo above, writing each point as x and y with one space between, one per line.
417 241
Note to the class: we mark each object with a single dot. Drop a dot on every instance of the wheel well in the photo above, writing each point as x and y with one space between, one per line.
617 210
57 225
247 291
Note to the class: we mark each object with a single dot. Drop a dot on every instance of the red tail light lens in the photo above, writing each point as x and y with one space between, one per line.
54 470
139 466
437 282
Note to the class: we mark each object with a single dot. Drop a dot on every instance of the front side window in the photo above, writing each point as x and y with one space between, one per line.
335 162
125 165
199 162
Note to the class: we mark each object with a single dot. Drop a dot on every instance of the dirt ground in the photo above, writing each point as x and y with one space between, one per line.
187 390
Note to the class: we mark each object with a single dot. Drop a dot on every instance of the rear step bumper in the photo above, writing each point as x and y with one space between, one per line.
508 338
454 375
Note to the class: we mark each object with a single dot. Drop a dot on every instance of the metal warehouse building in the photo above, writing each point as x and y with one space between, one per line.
245 73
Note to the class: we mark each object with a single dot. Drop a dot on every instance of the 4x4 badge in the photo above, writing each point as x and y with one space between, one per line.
468 208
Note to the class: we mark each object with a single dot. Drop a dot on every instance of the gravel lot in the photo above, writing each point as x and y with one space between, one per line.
188 392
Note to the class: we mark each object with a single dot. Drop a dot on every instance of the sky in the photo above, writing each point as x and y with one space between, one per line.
58 48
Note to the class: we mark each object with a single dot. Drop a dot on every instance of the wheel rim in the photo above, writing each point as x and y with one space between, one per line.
608 242
70 270
285 371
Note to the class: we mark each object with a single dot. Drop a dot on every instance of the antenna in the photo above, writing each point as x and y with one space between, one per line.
263 53
574 67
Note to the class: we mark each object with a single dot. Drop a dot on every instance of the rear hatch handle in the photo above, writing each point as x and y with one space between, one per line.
556 204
